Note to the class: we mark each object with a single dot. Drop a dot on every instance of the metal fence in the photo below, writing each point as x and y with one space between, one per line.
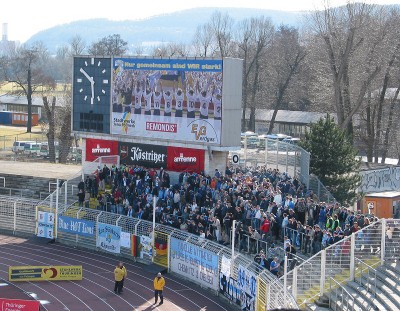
284 156
343 261
6 141
19 217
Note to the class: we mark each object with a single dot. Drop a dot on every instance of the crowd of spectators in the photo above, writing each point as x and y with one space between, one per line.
269 206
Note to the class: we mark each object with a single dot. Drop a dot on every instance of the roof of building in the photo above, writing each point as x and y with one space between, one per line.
288 116
22 100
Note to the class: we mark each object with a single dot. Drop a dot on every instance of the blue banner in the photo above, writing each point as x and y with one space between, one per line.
76 226
181 65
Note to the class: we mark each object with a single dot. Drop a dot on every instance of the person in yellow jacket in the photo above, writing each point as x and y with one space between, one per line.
159 283
121 265
119 275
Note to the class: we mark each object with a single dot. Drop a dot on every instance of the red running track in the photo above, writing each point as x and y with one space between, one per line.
95 291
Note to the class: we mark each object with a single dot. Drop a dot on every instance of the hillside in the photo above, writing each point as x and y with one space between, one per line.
176 27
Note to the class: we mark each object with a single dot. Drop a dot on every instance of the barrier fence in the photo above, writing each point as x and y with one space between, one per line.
273 153
357 254
211 261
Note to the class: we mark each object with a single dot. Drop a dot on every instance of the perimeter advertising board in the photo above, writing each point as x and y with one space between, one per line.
44 273
185 159
143 155
98 148
19 305
171 99
195 263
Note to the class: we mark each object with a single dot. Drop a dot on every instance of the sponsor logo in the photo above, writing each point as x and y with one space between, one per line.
98 150
161 127
182 159
139 155
201 132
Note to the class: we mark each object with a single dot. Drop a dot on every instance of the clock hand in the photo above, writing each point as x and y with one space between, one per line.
87 76
91 99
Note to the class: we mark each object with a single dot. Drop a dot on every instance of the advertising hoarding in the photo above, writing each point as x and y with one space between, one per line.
171 99
143 155
185 159
45 273
195 263
19 305
97 148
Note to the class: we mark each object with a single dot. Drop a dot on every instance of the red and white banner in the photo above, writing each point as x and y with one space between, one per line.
184 159
19 305
98 148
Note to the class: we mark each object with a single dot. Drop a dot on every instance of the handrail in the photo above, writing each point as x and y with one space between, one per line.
52 183
367 286
346 297
4 181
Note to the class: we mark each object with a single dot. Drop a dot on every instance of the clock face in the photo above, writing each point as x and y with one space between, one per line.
92 80
91 100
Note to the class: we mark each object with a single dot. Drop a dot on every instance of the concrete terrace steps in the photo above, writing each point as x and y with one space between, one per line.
390 277
35 185
368 296
361 300
38 187
383 293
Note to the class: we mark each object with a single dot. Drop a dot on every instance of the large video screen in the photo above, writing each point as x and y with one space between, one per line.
167 99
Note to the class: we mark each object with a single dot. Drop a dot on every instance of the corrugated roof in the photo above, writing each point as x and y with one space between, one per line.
288 116
22 100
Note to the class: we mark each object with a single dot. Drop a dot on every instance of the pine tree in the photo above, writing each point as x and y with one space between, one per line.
333 159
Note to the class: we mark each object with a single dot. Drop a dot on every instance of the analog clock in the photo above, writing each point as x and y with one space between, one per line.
92 79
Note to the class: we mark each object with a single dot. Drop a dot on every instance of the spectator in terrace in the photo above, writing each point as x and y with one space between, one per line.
274 266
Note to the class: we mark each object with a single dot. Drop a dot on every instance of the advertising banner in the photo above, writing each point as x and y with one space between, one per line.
143 155
45 225
195 263
45 273
247 283
19 305
76 226
108 238
171 99
97 148
185 159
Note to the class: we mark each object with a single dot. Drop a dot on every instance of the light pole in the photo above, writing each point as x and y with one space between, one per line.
154 226
233 244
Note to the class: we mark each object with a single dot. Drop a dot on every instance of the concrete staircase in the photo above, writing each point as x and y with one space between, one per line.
373 291
25 186
36 188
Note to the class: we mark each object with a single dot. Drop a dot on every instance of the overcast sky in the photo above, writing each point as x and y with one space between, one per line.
27 17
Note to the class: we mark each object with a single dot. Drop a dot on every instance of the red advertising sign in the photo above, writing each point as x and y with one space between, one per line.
184 159
98 148
19 305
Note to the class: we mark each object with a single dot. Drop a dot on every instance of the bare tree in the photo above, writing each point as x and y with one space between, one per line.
109 46
23 68
221 27
252 37
77 45
203 41
352 51
285 61
49 109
